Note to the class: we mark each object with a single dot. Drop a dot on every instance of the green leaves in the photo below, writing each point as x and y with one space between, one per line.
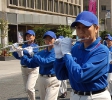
4 27
64 31
103 33
39 34
61 30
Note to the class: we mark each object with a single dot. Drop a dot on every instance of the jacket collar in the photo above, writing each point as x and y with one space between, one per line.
93 46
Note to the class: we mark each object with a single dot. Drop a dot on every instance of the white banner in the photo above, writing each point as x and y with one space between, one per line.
20 37
108 15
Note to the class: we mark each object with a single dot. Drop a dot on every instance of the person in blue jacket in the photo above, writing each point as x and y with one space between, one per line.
108 40
48 83
104 41
30 75
63 86
86 65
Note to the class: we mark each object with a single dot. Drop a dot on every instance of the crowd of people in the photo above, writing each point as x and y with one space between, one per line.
86 64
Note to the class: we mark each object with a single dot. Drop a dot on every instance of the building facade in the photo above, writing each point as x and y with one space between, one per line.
21 14
105 14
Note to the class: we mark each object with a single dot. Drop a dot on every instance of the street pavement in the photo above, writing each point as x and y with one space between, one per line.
11 83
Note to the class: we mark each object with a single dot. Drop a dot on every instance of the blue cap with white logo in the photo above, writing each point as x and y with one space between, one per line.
86 18
50 33
109 38
31 32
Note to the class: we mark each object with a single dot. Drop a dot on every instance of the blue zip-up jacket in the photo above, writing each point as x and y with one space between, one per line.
86 69
35 50
110 49
44 59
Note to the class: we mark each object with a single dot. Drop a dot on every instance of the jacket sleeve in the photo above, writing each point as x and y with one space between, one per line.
29 62
60 69
35 50
110 69
96 66
15 54
45 62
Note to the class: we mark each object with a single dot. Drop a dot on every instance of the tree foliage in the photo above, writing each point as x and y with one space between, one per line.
103 34
4 31
64 31
39 34
61 30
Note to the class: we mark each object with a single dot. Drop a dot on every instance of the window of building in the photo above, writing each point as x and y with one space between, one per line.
38 4
30 3
70 9
14 2
86 8
103 7
74 10
61 9
50 5
65 8
73 1
22 3
79 2
44 5
78 9
55 6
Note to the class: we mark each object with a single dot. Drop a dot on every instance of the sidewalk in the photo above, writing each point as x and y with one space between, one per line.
11 82
9 68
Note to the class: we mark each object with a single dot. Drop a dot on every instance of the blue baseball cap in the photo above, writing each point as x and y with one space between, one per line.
50 33
87 18
31 32
107 35
108 38
60 37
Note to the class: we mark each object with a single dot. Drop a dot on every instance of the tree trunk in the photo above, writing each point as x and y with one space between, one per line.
4 37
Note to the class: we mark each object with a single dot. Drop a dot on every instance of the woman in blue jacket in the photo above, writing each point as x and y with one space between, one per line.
30 75
48 83
63 86
86 65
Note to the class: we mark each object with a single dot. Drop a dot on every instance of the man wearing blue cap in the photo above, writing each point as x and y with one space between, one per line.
30 75
108 40
86 64
48 83
104 41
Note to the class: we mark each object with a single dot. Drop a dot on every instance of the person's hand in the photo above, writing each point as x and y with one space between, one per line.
66 45
57 49
19 51
28 51
13 47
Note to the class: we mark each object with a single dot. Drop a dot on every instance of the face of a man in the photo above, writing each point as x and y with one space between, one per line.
84 32
49 40
30 37
109 42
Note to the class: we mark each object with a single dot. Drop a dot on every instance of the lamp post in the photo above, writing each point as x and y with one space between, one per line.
98 15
